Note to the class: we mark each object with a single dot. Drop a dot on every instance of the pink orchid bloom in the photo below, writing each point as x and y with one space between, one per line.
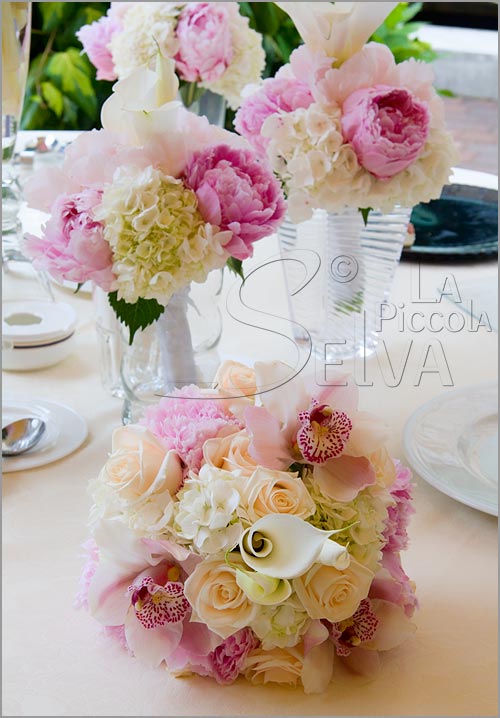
377 625
301 422
323 434
139 584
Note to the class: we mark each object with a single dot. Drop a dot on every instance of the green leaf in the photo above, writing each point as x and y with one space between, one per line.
36 116
365 212
235 266
71 73
446 93
70 117
53 97
410 10
56 14
266 17
135 316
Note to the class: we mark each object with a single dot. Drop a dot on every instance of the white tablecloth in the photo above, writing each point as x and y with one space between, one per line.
56 662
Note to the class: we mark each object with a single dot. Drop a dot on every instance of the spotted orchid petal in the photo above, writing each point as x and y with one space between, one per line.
264 590
323 434
284 546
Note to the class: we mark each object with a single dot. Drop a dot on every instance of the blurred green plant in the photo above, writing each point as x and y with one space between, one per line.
61 91
63 94
399 34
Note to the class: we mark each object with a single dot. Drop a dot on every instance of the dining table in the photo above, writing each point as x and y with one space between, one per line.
56 659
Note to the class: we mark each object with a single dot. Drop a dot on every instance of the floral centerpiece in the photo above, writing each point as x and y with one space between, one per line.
342 125
155 200
345 128
254 529
212 45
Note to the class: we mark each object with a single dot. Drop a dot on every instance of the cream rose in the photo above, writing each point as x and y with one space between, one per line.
236 383
216 598
292 666
230 453
326 592
274 492
139 463
278 665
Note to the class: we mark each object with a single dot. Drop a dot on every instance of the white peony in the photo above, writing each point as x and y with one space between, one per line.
147 27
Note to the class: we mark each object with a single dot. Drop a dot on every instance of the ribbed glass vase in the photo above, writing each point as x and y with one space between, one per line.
339 272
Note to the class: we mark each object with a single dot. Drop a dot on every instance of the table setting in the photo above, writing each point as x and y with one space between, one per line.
249 408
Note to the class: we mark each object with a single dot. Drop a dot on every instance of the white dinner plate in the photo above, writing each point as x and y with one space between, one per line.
452 443
65 431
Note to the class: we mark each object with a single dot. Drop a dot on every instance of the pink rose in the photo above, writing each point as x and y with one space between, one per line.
95 39
277 94
205 43
238 193
387 128
73 246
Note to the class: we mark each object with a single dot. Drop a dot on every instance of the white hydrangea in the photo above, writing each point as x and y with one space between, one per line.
248 61
147 26
363 520
159 240
319 170
281 626
205 515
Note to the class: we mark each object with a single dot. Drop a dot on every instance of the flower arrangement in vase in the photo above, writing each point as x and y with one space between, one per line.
211 43
152 202
254 529
345 128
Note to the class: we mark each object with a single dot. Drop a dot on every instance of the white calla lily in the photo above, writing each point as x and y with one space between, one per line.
144 103
284 546
339 29
261 589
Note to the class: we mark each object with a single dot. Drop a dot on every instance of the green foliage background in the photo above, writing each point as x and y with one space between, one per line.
63 94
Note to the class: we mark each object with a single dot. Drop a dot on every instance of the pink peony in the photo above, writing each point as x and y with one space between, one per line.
73 246
185 421
387 128
91 555
399 515
227 660
205 43
277 94
95 39
236 192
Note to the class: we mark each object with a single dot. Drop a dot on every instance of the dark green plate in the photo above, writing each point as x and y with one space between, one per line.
462 223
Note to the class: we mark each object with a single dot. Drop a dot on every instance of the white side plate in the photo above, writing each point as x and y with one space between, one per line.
65 431
452 443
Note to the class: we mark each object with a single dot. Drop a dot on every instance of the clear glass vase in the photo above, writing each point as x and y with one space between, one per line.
338 274
180 348
16 32
209 105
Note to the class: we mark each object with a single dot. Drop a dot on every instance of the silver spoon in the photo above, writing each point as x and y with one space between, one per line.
21 435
